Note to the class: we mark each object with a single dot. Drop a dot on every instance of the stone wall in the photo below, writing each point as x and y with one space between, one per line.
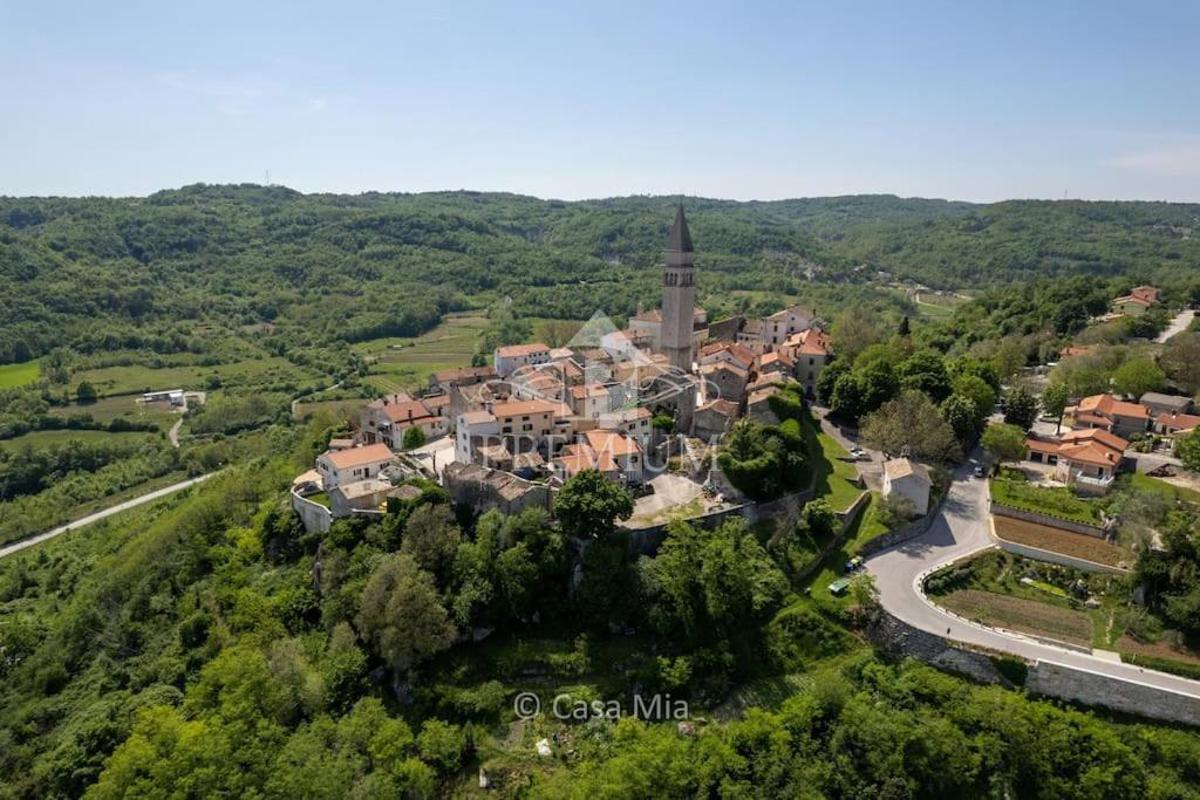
897 639
316 517
1051 679
1037 554
1046 519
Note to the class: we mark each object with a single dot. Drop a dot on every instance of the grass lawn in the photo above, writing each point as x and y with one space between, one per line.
834 477
320 498
12 375
1019 614
42 439
106 409
401 363
1144 483
1055 501
866 527
1078 545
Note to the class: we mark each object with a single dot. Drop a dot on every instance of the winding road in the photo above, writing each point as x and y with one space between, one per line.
961 529
16 547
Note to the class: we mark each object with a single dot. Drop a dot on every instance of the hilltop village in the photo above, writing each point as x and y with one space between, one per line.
645 406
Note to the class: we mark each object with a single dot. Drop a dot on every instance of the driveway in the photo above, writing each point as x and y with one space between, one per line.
962 529
1178 325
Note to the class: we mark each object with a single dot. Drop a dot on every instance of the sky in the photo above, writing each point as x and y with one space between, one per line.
748 100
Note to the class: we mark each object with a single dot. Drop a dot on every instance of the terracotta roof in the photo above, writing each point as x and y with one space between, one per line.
358 456
515 350
1090 453
1110 440
725 408
588 390
523 407
436 401
458 373
412 411
1035 445
1181 422
723 365
390 399
476 417
767 359
612 442
1108 405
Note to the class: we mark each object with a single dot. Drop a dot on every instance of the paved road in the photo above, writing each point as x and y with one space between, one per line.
962 528
16 547
1178 325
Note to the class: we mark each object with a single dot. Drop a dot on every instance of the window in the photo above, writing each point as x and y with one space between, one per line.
528 426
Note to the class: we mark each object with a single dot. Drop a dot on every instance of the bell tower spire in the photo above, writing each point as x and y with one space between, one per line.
679 294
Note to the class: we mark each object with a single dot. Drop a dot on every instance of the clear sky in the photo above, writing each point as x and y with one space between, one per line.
966 100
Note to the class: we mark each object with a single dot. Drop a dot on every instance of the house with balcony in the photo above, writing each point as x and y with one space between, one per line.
1109 413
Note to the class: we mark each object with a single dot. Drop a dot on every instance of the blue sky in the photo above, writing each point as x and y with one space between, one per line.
967 100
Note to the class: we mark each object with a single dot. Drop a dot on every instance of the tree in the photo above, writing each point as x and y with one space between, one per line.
979 392
865 389
85 393
855 331
401 615
959 412
1181 360
1137 376
926 370
911 423
1021 408
1004 442
1188 451
431 536
1054 401
414 436
589 504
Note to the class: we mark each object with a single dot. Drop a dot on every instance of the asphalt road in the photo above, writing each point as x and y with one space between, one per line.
16 547
962 528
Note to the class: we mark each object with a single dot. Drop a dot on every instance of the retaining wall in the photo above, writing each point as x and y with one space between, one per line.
1045 519
1051 679
1038 554
897 639
316 517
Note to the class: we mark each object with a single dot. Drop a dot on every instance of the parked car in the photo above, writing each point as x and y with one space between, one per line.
979 472
854 564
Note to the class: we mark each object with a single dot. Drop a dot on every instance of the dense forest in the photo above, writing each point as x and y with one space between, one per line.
210 647
171 272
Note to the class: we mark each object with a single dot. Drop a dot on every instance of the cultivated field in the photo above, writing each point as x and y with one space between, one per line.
399 363
1017 614
1059 541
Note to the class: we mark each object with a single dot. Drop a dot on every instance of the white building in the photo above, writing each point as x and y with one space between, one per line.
908 479
512 357
337 467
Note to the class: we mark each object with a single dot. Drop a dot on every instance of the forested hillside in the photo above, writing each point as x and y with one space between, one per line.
97 274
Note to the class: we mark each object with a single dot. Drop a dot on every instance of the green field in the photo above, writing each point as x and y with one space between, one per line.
398 363
42 439
135 379
341 409
18 374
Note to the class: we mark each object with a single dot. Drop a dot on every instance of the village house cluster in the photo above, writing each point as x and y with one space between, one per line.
608 401
1089 455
